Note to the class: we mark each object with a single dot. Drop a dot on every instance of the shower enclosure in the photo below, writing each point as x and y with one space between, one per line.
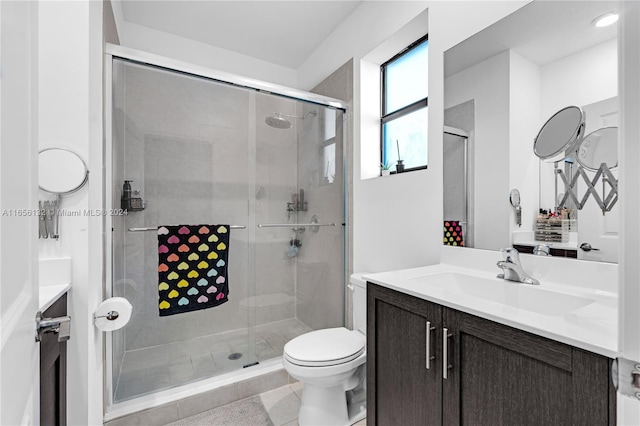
203 151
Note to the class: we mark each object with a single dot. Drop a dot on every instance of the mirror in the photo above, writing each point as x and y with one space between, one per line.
599 147
559 134
61 171
501 87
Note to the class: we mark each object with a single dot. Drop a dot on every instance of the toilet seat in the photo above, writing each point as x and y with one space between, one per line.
322 348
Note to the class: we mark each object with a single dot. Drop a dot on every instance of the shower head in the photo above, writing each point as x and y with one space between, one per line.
278 121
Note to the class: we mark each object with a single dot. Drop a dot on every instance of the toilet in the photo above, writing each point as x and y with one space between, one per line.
331 364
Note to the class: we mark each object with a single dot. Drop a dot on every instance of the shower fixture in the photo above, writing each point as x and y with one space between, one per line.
277 120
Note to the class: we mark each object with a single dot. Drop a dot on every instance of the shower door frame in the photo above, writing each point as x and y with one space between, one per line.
113 410
464 135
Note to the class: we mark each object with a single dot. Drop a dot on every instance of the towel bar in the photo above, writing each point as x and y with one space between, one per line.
156 228
289 225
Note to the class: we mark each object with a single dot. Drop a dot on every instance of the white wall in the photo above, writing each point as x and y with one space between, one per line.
583 78
524 124
70 112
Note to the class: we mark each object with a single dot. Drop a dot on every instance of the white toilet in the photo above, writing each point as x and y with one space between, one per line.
331 364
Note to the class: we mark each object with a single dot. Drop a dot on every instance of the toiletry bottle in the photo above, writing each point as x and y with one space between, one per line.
126 195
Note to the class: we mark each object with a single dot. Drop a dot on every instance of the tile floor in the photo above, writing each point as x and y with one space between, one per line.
278 407
162 367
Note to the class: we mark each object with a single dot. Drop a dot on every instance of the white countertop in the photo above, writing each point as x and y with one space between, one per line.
592 327
50 294
54 280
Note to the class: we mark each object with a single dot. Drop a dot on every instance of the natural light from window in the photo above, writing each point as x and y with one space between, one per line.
404 121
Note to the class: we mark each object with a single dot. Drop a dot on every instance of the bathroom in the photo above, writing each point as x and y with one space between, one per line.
67 72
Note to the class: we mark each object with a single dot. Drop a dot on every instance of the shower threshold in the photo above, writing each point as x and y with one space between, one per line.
168 396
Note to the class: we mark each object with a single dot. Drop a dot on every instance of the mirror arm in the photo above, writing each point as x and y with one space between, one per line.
605 203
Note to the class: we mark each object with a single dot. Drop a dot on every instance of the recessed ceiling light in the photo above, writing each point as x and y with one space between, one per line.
606 19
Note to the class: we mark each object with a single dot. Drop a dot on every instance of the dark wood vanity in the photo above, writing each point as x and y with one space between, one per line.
53 371
428 364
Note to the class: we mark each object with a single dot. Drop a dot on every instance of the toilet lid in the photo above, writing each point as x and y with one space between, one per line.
330 346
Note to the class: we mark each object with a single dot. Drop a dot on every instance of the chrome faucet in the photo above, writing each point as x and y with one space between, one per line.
512 268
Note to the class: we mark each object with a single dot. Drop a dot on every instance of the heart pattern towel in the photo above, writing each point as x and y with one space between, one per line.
192 267
453 233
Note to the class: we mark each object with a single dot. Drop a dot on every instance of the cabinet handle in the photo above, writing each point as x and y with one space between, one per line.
429 357
445 353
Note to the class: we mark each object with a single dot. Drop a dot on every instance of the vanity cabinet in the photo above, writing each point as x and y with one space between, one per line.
431 365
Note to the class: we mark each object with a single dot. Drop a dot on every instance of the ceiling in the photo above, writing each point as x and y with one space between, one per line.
281 32
541 31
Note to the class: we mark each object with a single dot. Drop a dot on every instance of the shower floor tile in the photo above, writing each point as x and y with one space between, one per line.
162 367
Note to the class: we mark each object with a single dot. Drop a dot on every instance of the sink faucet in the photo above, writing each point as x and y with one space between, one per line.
512 268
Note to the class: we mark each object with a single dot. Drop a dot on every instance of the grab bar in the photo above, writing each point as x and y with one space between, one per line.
288 225
156 228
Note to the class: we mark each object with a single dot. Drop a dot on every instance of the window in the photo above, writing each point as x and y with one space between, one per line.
403 125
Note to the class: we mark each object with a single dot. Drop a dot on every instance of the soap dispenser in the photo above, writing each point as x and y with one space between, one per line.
125 201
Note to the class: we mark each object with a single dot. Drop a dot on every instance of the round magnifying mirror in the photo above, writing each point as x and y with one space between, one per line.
514 197
599 147
560 134
61 171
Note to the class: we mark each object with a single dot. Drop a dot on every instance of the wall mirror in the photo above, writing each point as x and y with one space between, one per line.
501 86
61 171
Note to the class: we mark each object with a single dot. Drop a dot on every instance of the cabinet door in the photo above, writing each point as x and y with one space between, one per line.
401 390
504 376
53 371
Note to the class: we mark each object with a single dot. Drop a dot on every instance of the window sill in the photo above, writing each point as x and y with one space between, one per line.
413 169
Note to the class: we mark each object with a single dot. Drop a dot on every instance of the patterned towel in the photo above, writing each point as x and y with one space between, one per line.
453 233
192 267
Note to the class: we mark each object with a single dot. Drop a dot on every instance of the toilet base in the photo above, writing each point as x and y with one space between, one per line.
322 406
330 406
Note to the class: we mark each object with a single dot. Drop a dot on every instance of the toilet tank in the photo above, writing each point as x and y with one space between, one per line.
359 298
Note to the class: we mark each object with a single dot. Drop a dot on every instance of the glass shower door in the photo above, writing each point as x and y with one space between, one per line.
186 146
299 181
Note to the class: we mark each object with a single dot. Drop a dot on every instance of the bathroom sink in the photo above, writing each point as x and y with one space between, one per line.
521 296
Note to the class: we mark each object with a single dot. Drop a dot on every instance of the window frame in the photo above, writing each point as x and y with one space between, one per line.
407 109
